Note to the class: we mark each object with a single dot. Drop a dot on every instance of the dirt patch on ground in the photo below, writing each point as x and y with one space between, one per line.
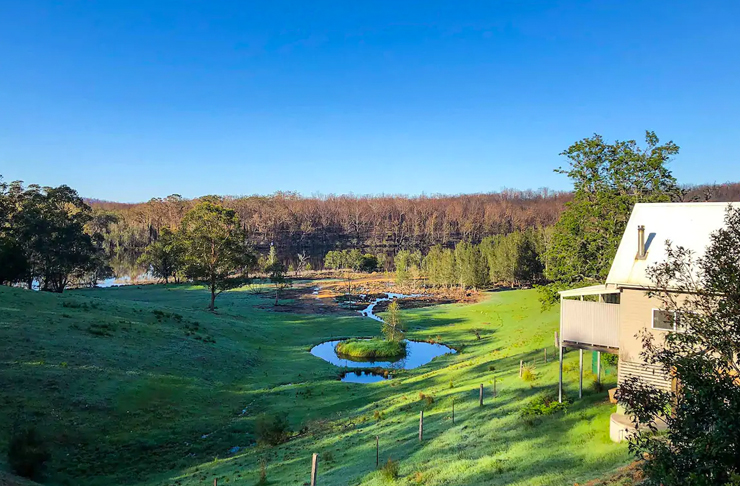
627 476
329 295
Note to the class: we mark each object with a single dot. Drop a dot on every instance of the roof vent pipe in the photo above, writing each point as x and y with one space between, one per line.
641 254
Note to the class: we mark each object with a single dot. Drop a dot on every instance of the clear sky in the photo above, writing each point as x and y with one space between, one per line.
128 100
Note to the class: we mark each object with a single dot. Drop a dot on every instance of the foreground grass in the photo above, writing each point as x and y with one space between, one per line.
371 348
143 386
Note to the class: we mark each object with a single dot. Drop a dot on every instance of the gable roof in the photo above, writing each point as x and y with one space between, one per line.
684 224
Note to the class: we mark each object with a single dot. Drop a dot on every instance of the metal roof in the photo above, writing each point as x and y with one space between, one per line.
683 224
592 290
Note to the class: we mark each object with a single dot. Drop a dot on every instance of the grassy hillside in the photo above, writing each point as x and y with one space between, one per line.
142 386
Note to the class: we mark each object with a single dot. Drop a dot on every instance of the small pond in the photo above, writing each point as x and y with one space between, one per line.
418 353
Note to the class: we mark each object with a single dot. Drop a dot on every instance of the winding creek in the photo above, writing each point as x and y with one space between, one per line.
418 352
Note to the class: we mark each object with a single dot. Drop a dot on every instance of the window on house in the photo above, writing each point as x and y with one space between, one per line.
667 320
611 298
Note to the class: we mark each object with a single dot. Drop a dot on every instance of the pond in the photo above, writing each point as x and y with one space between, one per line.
418 353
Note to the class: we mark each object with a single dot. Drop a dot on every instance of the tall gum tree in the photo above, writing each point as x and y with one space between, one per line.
608 180
215 247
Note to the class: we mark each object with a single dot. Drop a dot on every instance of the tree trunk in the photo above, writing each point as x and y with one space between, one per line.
276 296
212 307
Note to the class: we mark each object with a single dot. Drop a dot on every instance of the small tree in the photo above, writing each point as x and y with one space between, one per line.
393 326
702 443
302 264
215 247
279 280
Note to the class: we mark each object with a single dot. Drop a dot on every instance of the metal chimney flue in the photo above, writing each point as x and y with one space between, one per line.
641 254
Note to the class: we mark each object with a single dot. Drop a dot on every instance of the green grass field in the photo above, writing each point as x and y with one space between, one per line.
141 385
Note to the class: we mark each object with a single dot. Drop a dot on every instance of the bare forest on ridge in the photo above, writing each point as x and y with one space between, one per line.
315 225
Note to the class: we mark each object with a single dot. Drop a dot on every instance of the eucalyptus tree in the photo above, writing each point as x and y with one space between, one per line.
608 180
215 247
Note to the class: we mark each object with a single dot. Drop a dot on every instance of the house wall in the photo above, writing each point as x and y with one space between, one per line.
636 314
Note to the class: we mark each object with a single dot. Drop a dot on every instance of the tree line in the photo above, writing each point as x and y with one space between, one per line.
513 259
314 225
50 238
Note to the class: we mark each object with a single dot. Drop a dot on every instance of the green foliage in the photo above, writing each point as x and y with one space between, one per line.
703 415
371 349
272 429
165 257
368 263
276 269
27 453
471 267
529 374
610 359
542 405
390 471
393 326
347 260
408 264
608 180
44 236
215 248
440 267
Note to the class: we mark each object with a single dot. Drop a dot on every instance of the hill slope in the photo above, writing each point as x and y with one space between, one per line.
142 386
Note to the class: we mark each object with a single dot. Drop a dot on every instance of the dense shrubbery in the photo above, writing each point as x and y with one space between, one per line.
541 405
272 429
27 453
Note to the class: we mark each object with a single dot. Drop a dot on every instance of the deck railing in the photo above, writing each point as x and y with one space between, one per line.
590 323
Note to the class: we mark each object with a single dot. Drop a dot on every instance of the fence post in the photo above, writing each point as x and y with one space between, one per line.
545 350
421 425
494 386
481 395
215 482
453 410
314 468
377 451
521 367
557 341
580 373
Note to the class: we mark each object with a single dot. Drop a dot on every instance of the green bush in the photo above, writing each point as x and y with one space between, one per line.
272 429
528 374
597 386
390 470
542 405
27 453
610 359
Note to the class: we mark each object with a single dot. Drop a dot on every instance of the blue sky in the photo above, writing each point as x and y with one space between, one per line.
138 99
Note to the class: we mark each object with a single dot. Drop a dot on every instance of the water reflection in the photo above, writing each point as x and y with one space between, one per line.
358 376
418 353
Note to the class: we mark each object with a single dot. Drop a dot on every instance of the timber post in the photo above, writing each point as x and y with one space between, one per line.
314 468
